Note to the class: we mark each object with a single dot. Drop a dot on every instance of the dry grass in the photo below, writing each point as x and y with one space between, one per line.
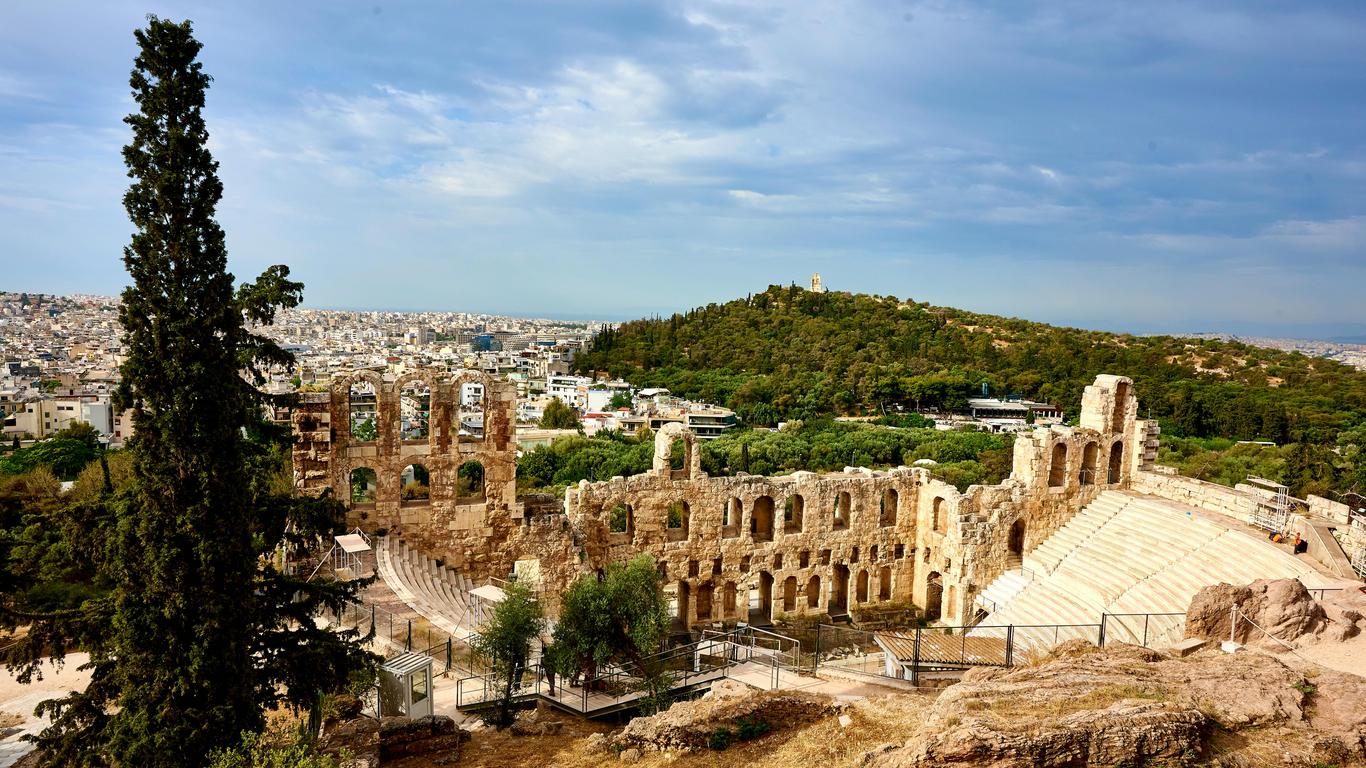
10 720
1022 712
822 744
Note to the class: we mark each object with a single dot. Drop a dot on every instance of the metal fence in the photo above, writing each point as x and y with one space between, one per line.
395 634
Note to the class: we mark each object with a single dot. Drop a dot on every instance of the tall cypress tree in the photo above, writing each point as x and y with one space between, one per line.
198 632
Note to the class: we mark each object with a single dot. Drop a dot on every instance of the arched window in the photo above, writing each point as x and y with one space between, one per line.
761 519
861 591
704 595
414 411
728 599
415 484
1017 538
934 596
1057 467
363 404
677 521
884 583
790 594
887 510
730 518
793 512
1090 457
842 503
813 592
470 412
469 483
364 485
939 521
1120 408
1116 462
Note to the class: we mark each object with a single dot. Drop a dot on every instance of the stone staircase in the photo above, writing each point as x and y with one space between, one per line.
1127 553
439 594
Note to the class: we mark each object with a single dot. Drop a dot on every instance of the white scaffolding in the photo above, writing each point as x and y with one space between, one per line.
1272 511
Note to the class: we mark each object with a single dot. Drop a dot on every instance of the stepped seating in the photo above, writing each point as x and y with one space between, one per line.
1126 553
439 594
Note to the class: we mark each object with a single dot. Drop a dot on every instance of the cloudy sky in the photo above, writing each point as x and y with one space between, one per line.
1142 166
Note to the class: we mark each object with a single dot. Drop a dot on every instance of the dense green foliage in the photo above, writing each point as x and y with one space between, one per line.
65 453
821 445
559 416
192 630
787 353
620 616
505 642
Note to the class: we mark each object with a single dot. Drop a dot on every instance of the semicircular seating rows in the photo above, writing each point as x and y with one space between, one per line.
1127 553
440 594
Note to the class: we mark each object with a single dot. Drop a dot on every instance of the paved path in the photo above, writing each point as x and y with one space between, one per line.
21 699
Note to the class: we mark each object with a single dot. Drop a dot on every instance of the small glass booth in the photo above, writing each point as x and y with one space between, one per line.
405 686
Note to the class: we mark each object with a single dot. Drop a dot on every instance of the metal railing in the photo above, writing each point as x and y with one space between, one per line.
397 634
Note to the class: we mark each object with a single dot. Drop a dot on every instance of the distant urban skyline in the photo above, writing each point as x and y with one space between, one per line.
1161 167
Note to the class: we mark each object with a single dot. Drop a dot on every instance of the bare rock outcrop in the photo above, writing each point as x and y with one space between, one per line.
1281 607
689 725
1127 706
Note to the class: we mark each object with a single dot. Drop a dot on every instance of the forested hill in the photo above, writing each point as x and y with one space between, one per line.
789 353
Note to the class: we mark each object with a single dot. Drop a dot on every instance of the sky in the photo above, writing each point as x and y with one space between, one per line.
1144 167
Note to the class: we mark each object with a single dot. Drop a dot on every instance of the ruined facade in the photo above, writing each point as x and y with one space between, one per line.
730 548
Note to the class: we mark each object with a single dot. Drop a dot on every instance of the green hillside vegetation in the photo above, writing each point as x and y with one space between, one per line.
822 445
788 354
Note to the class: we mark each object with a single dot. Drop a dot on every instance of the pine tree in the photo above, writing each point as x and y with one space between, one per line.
196 637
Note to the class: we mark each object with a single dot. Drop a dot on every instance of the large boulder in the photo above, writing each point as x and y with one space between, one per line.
738 709
1282 608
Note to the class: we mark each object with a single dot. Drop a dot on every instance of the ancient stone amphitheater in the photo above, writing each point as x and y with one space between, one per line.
1087 524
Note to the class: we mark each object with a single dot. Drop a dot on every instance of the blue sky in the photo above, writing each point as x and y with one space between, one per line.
1149 166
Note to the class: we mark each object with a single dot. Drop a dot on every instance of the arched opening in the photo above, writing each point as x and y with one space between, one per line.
471 414
677 521
363 404
730 518
1057 467
1116 462
872 554
414 411
728 600
621 519
761 519
842 502
1121 405
938 522
934 596
761 599
813 592
684 596
469 483
1015 544
861 587
704 595
678 455
839 590
888 508
794 509
364 486
415 484
790 594
1090 457
884 583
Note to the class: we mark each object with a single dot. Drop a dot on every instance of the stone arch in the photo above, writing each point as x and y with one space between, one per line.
1120 408
414 392
938 518
761 519
843 504
1057 466
861 590
887 508
763 611
469 410
730 518
676 522
1116 473
934 596
664 449
364 486
813 592
794 510
415 484
1090 458
362 391
1016 541
470 485
790 594
884 583
839 589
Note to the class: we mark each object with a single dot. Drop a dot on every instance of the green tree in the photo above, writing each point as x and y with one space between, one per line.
621 617
619 400
505 640
199 633
559 416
